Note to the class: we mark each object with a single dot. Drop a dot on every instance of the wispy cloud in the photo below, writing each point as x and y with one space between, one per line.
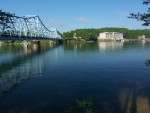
83 20
56 22
122 14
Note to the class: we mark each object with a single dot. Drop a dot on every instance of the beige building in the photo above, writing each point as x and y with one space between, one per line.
110 36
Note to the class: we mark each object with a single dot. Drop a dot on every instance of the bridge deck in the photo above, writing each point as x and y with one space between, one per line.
25 38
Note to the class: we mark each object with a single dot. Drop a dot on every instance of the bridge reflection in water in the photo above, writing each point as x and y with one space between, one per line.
26 63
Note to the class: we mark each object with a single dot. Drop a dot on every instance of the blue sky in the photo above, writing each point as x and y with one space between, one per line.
66 15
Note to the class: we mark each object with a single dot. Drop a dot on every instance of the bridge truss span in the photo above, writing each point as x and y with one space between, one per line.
26 27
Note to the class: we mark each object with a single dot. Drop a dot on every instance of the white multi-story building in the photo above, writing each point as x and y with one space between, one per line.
110 36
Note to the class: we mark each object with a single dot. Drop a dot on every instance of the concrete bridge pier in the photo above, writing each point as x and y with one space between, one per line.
39 45
0 43
36 45
26 44
51 43
31 46
56 42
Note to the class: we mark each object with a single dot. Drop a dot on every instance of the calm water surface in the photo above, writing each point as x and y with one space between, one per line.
111 76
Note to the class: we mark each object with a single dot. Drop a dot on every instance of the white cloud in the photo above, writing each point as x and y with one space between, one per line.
56 22
83 19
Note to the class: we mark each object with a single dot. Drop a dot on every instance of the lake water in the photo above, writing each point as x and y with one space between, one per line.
104 77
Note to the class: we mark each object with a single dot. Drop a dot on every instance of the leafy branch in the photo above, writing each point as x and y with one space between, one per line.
145 17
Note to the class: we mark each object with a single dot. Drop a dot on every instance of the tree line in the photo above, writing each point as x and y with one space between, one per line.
93 33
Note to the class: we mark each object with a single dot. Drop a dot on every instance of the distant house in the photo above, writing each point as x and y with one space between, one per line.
143 37
110 36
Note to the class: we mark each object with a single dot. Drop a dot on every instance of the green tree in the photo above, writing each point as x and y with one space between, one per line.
92 34
145 17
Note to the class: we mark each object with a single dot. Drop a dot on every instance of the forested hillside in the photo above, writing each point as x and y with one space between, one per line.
92 34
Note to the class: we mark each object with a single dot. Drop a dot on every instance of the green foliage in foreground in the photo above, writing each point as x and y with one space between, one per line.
92 34
84 106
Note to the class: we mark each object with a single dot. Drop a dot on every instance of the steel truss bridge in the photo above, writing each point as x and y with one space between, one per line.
28 27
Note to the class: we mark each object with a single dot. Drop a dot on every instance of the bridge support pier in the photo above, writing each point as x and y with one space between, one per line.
37 45
55 42
25 44
0 43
